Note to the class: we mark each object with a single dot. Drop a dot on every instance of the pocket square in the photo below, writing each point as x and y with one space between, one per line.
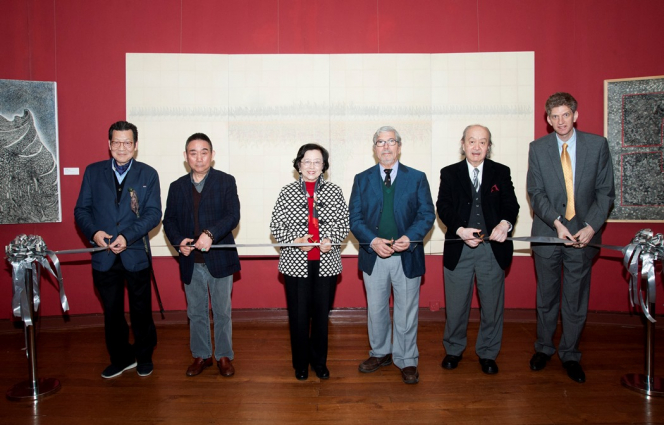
494 188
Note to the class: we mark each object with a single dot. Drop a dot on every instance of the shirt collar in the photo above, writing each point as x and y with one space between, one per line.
470 167
571 143
393 173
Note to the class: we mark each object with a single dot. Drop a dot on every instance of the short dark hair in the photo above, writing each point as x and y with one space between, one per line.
560 99
198 136
123 126
311 147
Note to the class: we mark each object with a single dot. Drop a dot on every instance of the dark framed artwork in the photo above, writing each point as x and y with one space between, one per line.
29 172
634 128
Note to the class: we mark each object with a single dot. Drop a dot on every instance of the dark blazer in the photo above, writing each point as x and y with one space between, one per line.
593 186
218 212
98 209
455 196
413 213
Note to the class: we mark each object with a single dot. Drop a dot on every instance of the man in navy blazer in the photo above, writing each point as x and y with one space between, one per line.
202 209
571 189
391 212
476 197
119 203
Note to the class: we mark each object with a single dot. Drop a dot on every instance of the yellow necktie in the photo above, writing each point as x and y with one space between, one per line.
569 182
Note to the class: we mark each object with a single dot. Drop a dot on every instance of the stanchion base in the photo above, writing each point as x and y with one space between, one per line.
25 391
639 383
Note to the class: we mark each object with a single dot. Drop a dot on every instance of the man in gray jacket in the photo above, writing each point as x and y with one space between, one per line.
570 184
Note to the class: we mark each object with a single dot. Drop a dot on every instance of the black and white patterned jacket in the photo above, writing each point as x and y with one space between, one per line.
290 220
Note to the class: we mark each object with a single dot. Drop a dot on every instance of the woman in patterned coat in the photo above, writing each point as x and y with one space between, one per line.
310 209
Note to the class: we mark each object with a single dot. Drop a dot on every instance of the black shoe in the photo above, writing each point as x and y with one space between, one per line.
451 362
321 372
538 361
575 371
489 366
113 370
144 369
302 375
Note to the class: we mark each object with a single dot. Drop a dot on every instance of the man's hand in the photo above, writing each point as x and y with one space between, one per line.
382 247
119 245
304 239
499 233
101 237
467 234
325 245
203 243
185 248
584 236
401 244
563 233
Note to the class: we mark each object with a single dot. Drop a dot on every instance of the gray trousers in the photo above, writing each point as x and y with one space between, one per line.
574 266
480 263
201 292
387 277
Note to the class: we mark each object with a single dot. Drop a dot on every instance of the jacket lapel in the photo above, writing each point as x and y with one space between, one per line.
187 195
464 178
403 177
210 184
108 179
554 157
376 183
488 173
581 155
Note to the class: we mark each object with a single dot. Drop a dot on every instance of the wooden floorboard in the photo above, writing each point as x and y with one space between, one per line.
264 389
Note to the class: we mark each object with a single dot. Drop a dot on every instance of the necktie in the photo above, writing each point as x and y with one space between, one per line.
388 179
569 182
476 180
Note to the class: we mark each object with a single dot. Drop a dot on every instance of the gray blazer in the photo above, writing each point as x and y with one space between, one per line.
593 186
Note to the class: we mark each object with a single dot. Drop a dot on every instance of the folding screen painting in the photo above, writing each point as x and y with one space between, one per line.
30 189
259 109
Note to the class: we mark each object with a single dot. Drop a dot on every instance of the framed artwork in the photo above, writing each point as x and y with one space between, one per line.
30 188
634 127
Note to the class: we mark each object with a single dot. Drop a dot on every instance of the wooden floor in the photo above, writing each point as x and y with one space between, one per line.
264 389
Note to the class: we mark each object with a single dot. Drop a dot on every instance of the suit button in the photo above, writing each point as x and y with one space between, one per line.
376 227
117 224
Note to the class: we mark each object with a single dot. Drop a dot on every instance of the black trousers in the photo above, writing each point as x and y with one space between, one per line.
309 301
110 285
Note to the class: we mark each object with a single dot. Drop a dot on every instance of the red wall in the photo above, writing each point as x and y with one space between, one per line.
81 44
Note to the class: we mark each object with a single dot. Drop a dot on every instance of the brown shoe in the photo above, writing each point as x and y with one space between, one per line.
372 364
410 375
198 365
225 367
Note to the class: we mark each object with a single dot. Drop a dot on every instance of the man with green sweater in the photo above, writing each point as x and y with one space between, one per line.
391 212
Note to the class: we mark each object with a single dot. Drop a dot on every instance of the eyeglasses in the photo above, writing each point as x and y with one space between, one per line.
389 142
116 144
307 163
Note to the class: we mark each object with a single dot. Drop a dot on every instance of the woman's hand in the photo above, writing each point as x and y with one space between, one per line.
325 245
304 239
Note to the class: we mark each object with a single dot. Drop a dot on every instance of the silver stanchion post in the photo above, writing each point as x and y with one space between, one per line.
34 388
647 384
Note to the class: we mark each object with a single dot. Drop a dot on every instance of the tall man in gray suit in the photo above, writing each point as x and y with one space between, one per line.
476 197
391 211
570 184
